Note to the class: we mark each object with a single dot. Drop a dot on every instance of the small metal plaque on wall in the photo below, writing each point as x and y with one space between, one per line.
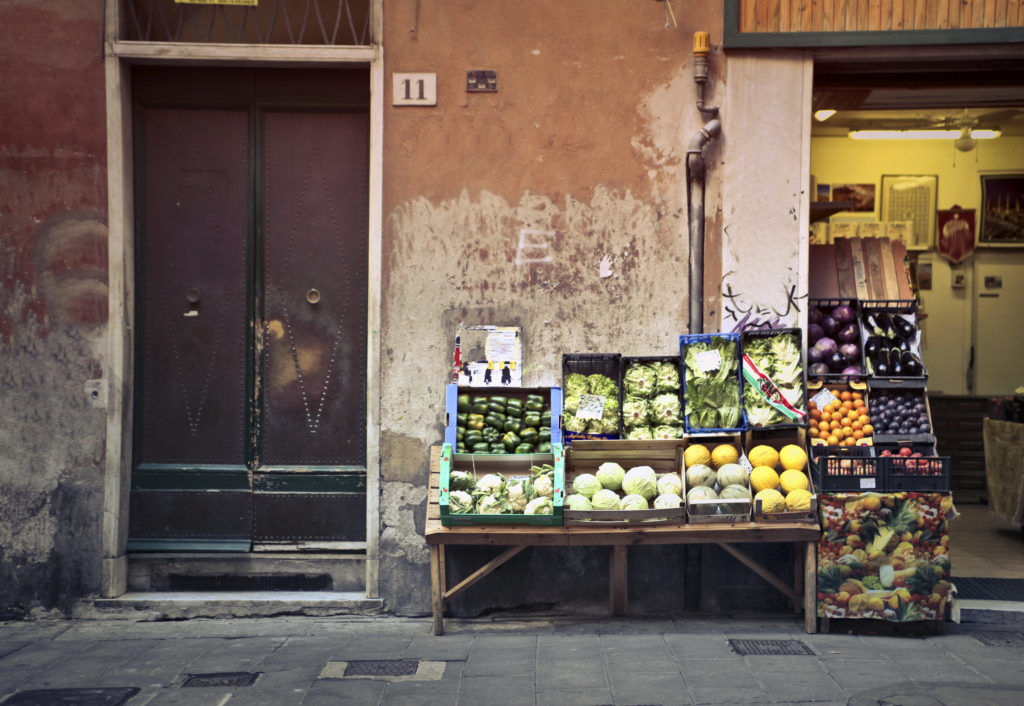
481 81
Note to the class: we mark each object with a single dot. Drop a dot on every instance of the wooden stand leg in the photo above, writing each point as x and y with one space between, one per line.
437 586
617 580
798 579
811 588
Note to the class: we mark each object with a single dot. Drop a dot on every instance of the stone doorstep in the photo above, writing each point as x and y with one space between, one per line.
227 604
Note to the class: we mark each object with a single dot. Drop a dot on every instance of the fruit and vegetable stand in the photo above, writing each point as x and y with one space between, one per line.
618 537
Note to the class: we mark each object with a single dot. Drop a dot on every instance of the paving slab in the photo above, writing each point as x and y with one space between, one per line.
632 688
575 697
571 674
506 690
441 647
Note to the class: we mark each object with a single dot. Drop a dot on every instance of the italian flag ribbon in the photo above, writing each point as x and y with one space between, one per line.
763 384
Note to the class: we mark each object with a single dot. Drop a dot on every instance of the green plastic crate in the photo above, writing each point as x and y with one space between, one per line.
510 466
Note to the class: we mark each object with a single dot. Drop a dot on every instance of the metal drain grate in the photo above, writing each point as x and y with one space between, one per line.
221 679
382 668
114 696
987 589
770 647
999 639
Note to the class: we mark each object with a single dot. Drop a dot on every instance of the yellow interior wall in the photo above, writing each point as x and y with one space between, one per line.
949 330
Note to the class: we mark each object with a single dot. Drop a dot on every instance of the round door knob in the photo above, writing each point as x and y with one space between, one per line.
313 296
192 296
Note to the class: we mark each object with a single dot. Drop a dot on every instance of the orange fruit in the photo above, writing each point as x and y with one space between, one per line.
832 441
846 395
868 430
836 416
858 434
857 395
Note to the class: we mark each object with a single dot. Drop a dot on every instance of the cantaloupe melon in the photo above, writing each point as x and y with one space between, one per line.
793 479
763 455
764 478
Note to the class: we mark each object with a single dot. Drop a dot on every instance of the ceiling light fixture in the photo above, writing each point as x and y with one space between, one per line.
920 134
823 115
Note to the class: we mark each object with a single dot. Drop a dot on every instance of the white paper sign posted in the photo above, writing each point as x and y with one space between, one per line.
708 361
591 407
823 398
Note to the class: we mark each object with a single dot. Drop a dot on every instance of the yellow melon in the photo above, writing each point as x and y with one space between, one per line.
763 455
771 500
696 455
793 457
793 479
724 454
798 499
763 478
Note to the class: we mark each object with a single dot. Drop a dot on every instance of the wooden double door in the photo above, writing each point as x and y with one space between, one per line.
250 309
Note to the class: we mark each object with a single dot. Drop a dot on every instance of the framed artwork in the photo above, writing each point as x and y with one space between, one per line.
956 234
862 196
913 198
1002 210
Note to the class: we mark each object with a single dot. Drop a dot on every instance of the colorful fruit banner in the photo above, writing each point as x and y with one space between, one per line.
884 556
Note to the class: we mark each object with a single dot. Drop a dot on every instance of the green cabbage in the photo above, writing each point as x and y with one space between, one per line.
578 502
634 412
634 502
667 501
641 480
610 475
640 434
665 409
666 377
586 484
667 431
670 483
605 499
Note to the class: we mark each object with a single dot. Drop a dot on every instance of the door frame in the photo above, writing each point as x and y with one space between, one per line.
119 57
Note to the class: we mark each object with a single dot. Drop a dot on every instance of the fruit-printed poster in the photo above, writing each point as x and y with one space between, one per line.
884 556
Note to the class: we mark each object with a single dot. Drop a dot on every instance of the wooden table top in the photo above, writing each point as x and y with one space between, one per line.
587 535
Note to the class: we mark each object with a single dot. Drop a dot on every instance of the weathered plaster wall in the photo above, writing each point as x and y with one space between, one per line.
557 203
53 302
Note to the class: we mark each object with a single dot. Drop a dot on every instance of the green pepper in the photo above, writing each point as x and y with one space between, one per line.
460 432
514 411
534 403
544 434
461 418
493 419
529 434
479 408
531 419
464 403
514 403
524 449
545 418
472 436
481 448
475 421
491 434
512 424
498 399
497 448
511 440
480 399
544 447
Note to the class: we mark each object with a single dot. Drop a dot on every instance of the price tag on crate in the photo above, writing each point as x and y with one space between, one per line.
709 360
590 407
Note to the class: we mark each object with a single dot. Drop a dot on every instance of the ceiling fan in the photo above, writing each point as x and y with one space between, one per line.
966 123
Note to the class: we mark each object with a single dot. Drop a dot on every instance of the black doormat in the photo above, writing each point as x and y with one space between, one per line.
770 647
114 696
257 582
986 589
382 668
221 679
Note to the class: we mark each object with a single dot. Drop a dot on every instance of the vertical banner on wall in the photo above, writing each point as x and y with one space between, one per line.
956 234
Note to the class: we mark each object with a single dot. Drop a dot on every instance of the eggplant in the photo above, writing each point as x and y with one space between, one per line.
836 361
872 324
912 364
880 363
873 346
895 361
904 327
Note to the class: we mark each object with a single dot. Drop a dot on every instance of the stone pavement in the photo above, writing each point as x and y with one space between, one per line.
505 660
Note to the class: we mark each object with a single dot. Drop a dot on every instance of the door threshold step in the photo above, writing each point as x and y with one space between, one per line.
156 606
1000 612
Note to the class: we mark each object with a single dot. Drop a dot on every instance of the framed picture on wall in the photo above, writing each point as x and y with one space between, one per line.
913 198
1002 210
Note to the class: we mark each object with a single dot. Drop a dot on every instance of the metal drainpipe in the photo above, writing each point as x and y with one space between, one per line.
695 170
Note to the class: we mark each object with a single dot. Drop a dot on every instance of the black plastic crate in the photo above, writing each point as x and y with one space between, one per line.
625 363
847 468
826 306
748 377
606 364
926 472
909 332
887 424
